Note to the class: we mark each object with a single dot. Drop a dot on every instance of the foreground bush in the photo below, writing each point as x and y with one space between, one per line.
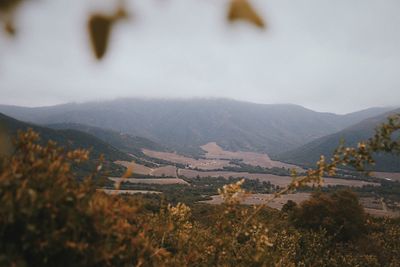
340 214
47 218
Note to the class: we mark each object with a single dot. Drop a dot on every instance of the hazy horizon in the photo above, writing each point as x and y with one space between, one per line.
328 56
188 99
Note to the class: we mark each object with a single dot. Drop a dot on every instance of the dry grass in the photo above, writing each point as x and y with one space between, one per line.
169 171
136 168
371 203
382 213
376 207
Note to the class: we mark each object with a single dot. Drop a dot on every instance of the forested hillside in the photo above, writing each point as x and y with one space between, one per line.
68 138
124 142
310 153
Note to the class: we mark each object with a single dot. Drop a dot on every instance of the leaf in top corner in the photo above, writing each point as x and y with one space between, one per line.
242 10
99 32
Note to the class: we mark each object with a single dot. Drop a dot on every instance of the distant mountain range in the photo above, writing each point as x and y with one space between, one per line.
185 125
309 153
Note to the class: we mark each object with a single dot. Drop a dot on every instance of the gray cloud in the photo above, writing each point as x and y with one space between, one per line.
335 56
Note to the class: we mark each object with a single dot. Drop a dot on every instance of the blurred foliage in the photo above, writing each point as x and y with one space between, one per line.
100 25
48 218
7 9
5 142
242 10
99 30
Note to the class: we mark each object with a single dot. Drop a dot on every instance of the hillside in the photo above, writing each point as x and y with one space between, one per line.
187 124
124 142
309 153
68 138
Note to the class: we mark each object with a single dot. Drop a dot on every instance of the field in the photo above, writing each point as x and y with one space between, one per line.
281 181
257 199
202 164
273 179
392 176
372 206
128 192
214 151
161 181
168 171
217 158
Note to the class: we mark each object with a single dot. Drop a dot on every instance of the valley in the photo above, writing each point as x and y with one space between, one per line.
188 156
208 171
213 164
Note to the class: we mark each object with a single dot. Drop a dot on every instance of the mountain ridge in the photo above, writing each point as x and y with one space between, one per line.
186 124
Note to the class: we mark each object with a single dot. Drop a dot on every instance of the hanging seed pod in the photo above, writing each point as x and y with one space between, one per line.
242 10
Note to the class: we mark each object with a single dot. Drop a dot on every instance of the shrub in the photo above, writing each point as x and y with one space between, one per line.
47 218
339 213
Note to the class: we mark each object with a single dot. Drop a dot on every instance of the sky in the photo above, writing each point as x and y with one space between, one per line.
337 56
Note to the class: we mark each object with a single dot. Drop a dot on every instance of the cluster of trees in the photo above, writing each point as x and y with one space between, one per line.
339 214
242 167
199 189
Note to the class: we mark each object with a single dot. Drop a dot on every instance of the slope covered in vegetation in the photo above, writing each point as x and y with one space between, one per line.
124 142
308 154
68 138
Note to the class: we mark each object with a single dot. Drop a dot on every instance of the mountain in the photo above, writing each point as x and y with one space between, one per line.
71 139
186 124
309 154
124 142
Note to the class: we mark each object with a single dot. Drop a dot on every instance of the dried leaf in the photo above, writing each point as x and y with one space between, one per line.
242 10
10 28
99 31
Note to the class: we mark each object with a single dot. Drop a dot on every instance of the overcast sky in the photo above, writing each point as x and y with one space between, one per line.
337 56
